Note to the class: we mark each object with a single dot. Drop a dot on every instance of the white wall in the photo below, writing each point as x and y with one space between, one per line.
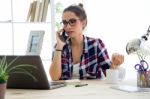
116 22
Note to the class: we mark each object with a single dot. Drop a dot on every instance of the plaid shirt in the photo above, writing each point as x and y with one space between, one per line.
94 60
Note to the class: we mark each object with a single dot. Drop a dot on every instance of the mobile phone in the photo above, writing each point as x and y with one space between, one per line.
63 36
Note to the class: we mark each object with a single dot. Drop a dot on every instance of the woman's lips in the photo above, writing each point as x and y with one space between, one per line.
69 32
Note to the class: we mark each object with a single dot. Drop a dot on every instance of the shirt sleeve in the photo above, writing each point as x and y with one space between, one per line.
103 57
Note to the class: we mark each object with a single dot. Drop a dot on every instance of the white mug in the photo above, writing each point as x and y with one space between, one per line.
113 76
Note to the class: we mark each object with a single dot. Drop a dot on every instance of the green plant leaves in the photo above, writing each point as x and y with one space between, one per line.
6 69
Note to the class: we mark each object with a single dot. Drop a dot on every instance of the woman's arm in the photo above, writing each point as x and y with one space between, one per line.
55 68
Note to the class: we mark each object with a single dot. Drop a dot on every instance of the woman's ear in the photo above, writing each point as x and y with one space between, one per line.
84 23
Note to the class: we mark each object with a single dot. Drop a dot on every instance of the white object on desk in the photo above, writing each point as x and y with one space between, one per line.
129 88
115 75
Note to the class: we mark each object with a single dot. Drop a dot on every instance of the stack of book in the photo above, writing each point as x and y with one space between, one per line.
38 11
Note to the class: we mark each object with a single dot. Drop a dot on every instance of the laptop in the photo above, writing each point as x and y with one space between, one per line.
23 81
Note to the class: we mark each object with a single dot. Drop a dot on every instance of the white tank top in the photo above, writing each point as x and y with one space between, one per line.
75 74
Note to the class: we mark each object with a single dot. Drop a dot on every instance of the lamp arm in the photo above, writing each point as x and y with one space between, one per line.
145 37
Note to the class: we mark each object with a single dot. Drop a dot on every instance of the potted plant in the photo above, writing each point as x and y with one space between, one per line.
6 69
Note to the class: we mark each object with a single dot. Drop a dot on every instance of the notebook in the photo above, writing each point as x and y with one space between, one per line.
22 81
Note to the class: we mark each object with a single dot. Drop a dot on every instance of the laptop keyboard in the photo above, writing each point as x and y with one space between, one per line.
54 85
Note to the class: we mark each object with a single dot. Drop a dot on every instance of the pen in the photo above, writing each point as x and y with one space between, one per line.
80 85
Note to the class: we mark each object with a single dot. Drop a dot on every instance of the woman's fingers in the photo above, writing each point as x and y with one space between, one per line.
117 59
60 43
58 33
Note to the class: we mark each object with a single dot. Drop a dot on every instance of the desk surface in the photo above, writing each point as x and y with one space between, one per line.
96 89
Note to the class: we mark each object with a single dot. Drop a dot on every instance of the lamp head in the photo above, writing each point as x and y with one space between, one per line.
135 44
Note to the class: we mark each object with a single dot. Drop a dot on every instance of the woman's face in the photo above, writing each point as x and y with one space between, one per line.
72 24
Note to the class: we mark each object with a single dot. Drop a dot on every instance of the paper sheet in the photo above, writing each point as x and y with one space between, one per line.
129 88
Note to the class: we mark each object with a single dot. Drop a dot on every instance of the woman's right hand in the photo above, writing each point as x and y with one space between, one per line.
117 59
60 43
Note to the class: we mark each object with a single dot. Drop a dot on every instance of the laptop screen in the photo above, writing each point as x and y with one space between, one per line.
24 81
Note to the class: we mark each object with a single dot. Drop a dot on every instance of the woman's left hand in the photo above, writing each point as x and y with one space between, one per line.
117 59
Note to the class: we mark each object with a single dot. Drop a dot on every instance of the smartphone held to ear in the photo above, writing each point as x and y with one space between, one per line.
63 36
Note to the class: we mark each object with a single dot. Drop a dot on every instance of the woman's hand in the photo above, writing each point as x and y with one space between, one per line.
60 43
117 59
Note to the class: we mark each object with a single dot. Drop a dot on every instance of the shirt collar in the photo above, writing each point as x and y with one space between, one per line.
85 44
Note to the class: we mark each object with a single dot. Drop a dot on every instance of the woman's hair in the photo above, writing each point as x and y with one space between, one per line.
78 10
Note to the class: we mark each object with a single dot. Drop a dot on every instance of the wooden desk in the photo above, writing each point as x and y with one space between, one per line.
94 90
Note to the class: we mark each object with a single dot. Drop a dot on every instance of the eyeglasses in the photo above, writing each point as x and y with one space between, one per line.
71 22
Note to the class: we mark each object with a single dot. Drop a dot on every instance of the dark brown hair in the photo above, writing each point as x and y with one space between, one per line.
78 10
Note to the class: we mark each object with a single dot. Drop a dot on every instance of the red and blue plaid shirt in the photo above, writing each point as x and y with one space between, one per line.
94 60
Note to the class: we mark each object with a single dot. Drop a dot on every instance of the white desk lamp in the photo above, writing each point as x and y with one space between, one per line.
136 44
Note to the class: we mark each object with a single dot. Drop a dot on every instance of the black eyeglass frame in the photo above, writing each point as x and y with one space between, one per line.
71 22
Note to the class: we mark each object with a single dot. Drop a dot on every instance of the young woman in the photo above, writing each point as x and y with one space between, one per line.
80 56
